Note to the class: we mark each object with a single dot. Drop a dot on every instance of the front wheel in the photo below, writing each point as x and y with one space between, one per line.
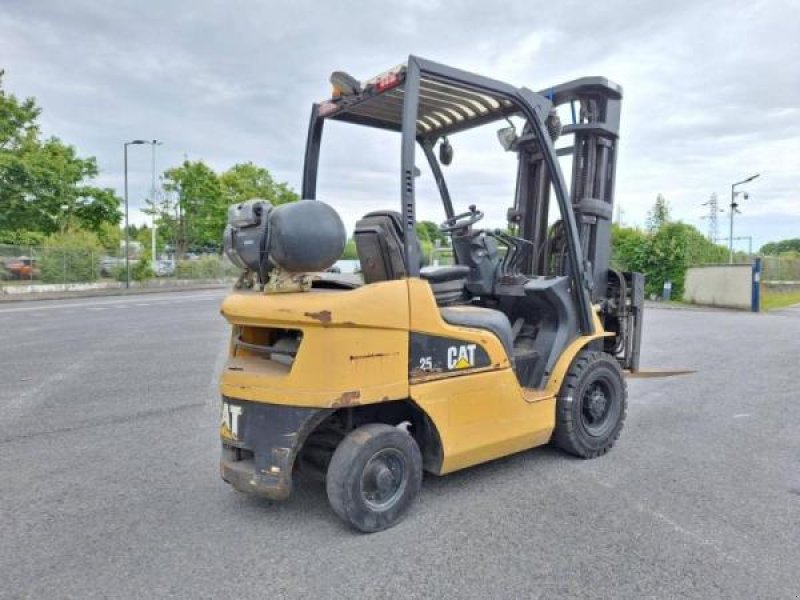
374 477
591 406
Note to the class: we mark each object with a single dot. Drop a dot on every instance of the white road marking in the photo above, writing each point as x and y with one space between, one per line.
45 385
186 298
741 415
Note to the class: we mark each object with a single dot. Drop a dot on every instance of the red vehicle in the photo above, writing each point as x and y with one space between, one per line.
22 267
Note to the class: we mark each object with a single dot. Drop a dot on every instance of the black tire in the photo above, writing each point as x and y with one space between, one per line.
591 406
374 477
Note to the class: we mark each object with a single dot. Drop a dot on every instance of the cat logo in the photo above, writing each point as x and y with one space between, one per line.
230 419
461 357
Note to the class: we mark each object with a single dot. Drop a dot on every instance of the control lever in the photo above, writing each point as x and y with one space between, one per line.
518 249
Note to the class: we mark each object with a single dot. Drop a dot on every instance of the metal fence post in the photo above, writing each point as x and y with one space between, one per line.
756 297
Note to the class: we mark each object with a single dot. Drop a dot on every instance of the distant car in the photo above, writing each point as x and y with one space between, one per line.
164 268
108 264
22 267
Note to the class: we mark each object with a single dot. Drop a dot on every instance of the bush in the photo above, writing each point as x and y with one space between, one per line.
70 257
627 247
426 249
350 252
205 267
663 254
666 260
141 270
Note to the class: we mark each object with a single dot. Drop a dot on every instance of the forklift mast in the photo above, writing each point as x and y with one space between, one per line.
595 105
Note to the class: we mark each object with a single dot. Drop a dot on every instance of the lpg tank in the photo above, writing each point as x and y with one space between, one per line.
305 236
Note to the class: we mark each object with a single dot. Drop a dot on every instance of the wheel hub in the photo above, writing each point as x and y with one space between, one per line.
597 407
597 404
384 478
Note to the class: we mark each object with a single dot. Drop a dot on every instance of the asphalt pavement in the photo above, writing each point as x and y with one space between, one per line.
109 485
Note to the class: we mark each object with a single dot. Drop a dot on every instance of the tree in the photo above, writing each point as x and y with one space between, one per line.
781 247
659 215
245 181
45 186
110 237
350 251
201 208
429 231
195 209
22 238
164 210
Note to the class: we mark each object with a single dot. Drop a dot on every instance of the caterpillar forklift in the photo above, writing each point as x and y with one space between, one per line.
522 341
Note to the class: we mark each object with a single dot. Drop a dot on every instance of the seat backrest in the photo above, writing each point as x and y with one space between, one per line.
379 242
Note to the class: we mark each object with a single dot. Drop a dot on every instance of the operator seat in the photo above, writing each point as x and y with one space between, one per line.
379 239
448 283
379 242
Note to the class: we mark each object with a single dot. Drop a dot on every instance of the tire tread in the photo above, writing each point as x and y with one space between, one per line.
339 473
565 435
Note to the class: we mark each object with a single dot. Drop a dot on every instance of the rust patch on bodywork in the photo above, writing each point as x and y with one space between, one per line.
323 316
373 355
347 399
417 372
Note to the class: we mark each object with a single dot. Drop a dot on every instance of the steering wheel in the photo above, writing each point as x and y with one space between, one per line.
461 221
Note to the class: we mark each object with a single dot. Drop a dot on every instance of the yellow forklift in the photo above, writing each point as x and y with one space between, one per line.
521 342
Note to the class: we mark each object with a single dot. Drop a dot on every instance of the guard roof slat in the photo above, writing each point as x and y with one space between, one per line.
378 110
442 108
456 109
490 102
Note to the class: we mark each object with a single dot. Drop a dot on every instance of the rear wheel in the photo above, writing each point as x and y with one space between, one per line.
374 477
591 406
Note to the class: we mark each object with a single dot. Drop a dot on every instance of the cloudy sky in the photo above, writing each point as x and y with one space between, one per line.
712 90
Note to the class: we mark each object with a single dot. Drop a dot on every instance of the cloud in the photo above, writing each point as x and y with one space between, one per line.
710 89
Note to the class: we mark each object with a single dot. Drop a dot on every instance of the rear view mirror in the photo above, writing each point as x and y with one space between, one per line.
445 152
507 137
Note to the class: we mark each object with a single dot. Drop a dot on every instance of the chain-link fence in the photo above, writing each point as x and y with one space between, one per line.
780 268
30 265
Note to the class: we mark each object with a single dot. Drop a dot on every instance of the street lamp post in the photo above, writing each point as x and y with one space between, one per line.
127 233
153 145
733 211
